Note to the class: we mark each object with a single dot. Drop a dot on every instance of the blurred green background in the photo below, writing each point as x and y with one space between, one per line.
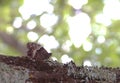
85 31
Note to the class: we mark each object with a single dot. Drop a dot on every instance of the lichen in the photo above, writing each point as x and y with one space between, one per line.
36 67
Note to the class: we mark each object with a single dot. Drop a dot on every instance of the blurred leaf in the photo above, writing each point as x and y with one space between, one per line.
14 43
5 2
115 26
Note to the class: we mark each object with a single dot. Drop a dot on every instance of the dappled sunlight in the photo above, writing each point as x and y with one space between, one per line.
98 51
35 7
31 24
49 42
54 58
32 36
66 46
10 29
48 20
76 29
79 28
101 18
17 22
87 63
66 59
100 39
112 9
77 4
87 46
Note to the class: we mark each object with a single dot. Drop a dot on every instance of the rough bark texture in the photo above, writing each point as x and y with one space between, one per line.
37 67
8 74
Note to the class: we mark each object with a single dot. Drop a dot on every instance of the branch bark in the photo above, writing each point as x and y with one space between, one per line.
9 74
37 67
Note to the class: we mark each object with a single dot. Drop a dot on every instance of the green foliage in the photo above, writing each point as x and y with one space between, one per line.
5 2
109 50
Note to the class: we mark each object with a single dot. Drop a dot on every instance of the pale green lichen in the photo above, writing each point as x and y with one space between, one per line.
8 74
92 73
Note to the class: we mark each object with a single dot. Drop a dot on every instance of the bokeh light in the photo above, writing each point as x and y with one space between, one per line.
31 24
17 22
87 46
10 29
87 63
112 9
32 36
35 7
101 39
101 18
66 46
77 4
49 42
48 20
66 59
79 28
54 58
98 51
